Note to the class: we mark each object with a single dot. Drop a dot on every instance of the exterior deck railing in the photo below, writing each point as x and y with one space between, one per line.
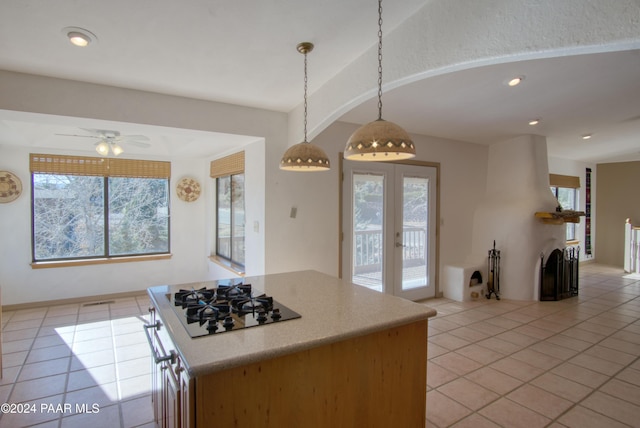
368 249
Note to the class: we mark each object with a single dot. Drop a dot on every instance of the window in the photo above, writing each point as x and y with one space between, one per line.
85 207
230 214
230 218
565 189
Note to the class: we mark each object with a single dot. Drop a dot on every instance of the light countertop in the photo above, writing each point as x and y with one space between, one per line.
331 310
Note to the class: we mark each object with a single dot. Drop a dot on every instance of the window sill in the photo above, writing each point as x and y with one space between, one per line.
101 261
232 267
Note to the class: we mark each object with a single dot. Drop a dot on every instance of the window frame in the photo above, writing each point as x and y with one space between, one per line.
567 182
571 229
105 168
232 225
228 166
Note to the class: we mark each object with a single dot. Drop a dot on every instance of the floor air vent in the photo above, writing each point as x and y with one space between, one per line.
104 302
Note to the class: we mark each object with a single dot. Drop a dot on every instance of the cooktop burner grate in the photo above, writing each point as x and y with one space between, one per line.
228 307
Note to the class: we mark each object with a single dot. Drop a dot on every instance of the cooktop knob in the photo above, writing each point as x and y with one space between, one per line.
262 316
275 314
228 323
212 326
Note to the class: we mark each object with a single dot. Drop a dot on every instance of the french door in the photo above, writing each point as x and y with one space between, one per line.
389 225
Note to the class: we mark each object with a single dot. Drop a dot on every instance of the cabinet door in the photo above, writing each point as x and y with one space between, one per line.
165 394
171 398
187 410
156 377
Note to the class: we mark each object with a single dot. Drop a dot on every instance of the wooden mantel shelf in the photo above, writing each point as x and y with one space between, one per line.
560 217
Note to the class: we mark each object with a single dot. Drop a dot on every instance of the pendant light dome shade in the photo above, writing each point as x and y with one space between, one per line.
379 140
305 157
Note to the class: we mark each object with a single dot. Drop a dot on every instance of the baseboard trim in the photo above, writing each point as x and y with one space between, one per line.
74 300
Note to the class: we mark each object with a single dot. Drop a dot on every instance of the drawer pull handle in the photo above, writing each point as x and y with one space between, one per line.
157 358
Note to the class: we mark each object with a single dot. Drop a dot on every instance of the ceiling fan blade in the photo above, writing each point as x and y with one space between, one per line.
134 137
137 143
76 135
112 137
630 119
102 133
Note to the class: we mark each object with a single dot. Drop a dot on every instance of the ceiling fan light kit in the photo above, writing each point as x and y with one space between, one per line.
104 147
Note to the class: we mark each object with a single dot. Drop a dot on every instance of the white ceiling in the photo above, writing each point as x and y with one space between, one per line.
572 96
243 52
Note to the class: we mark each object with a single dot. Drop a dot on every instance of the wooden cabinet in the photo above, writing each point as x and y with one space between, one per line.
171 384
377 380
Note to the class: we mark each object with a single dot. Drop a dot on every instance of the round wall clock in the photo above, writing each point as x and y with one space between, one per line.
188 189
10 187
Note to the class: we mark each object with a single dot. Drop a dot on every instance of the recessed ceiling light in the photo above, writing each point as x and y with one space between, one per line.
586 136
515 81
79 36
534 122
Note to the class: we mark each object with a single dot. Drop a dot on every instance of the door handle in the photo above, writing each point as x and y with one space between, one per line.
399 245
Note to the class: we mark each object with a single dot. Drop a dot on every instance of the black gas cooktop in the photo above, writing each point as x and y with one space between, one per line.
227 307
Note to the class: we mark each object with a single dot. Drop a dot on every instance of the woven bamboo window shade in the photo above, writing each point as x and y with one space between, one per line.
229 165
103 167
567 181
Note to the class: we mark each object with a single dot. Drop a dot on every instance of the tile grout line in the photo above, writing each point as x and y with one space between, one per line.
66 383
618 304
612 376
117 371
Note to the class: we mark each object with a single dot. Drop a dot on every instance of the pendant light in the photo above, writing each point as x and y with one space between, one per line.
379 140
305 156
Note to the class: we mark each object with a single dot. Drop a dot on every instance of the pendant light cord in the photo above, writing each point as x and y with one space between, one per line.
305 96
379 59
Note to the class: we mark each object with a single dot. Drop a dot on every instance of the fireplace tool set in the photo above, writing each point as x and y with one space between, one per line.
493 282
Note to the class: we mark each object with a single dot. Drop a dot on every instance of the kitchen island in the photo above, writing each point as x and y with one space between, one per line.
355 357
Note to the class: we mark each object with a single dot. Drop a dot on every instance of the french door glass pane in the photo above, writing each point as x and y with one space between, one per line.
415 210
368 221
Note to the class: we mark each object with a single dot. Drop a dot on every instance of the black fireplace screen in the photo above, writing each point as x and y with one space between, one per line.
559 276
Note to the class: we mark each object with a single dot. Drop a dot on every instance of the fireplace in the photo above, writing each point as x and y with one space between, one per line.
517 187
559 275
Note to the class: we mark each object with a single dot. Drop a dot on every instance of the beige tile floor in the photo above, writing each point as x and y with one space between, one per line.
572 363
77 366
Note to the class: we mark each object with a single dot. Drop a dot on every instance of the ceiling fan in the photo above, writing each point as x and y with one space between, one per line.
109 140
